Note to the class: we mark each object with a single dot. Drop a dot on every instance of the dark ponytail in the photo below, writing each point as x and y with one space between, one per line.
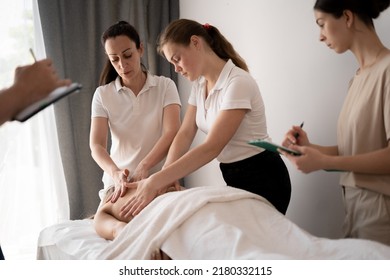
366 10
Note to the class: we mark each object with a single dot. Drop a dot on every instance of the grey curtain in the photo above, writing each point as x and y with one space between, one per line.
71 31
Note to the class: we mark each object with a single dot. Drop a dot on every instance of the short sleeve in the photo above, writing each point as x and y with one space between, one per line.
386 110
192 98
239 93
97 109
171 95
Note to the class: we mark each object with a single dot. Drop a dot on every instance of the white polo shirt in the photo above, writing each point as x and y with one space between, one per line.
235 89
135 121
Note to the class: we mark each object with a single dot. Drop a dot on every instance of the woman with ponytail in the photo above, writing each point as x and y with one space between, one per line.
363 131
226 104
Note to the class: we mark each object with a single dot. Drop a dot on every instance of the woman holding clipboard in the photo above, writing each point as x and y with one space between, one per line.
362 152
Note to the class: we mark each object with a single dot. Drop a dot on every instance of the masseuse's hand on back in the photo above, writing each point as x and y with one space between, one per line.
145 193
120 178
147 190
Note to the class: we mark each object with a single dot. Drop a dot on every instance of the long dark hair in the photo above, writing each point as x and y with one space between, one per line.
180 32
366 10
120 28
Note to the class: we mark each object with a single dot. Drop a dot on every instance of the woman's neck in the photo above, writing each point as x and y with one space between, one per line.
135 84
213 70
368 49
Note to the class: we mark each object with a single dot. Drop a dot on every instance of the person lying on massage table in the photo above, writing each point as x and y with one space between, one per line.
109 223
235 224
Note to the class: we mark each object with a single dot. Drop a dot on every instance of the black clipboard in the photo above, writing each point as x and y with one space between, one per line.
54 96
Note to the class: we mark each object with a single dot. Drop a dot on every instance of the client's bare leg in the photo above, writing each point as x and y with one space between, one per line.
106 225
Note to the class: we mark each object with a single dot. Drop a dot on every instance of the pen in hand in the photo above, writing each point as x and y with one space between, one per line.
296 135
33 55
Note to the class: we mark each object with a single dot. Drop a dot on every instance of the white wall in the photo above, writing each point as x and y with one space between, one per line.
300 80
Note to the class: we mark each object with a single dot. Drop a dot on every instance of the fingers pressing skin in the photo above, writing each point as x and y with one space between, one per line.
143 196
114 197
125 178
109 197
120 180
135 205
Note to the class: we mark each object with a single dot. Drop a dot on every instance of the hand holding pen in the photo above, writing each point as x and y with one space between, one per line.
33 55
309 158
296 136
36 81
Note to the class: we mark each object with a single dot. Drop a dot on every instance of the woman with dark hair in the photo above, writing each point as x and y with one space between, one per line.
226 104
140 110
362 152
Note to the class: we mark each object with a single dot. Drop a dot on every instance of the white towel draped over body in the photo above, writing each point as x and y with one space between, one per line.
204 223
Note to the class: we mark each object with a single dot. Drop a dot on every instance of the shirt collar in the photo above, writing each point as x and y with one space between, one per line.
118 85
223 76
151 81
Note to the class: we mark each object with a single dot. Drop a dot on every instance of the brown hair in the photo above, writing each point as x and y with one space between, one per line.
180 32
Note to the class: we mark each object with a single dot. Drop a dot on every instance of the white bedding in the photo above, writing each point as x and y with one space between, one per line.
203 223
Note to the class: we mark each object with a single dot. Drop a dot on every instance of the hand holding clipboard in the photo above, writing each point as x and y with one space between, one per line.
46 70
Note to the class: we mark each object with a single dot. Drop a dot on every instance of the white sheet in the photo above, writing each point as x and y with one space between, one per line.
204 223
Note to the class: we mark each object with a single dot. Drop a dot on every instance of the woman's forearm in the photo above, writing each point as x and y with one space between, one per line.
327 150
103 159
188 163
377 162
9 104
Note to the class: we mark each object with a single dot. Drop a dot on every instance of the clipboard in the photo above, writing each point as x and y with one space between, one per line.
54 96
270 146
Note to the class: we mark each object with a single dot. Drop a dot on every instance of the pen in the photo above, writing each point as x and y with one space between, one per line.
33 55
296 135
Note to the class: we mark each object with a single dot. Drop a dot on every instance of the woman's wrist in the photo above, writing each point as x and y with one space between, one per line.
155 182
144 165
15 99
113 172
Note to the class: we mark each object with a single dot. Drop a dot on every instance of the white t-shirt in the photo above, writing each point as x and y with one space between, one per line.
135 121
235 89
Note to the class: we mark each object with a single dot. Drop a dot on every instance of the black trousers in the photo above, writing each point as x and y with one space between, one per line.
1 254
264 174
